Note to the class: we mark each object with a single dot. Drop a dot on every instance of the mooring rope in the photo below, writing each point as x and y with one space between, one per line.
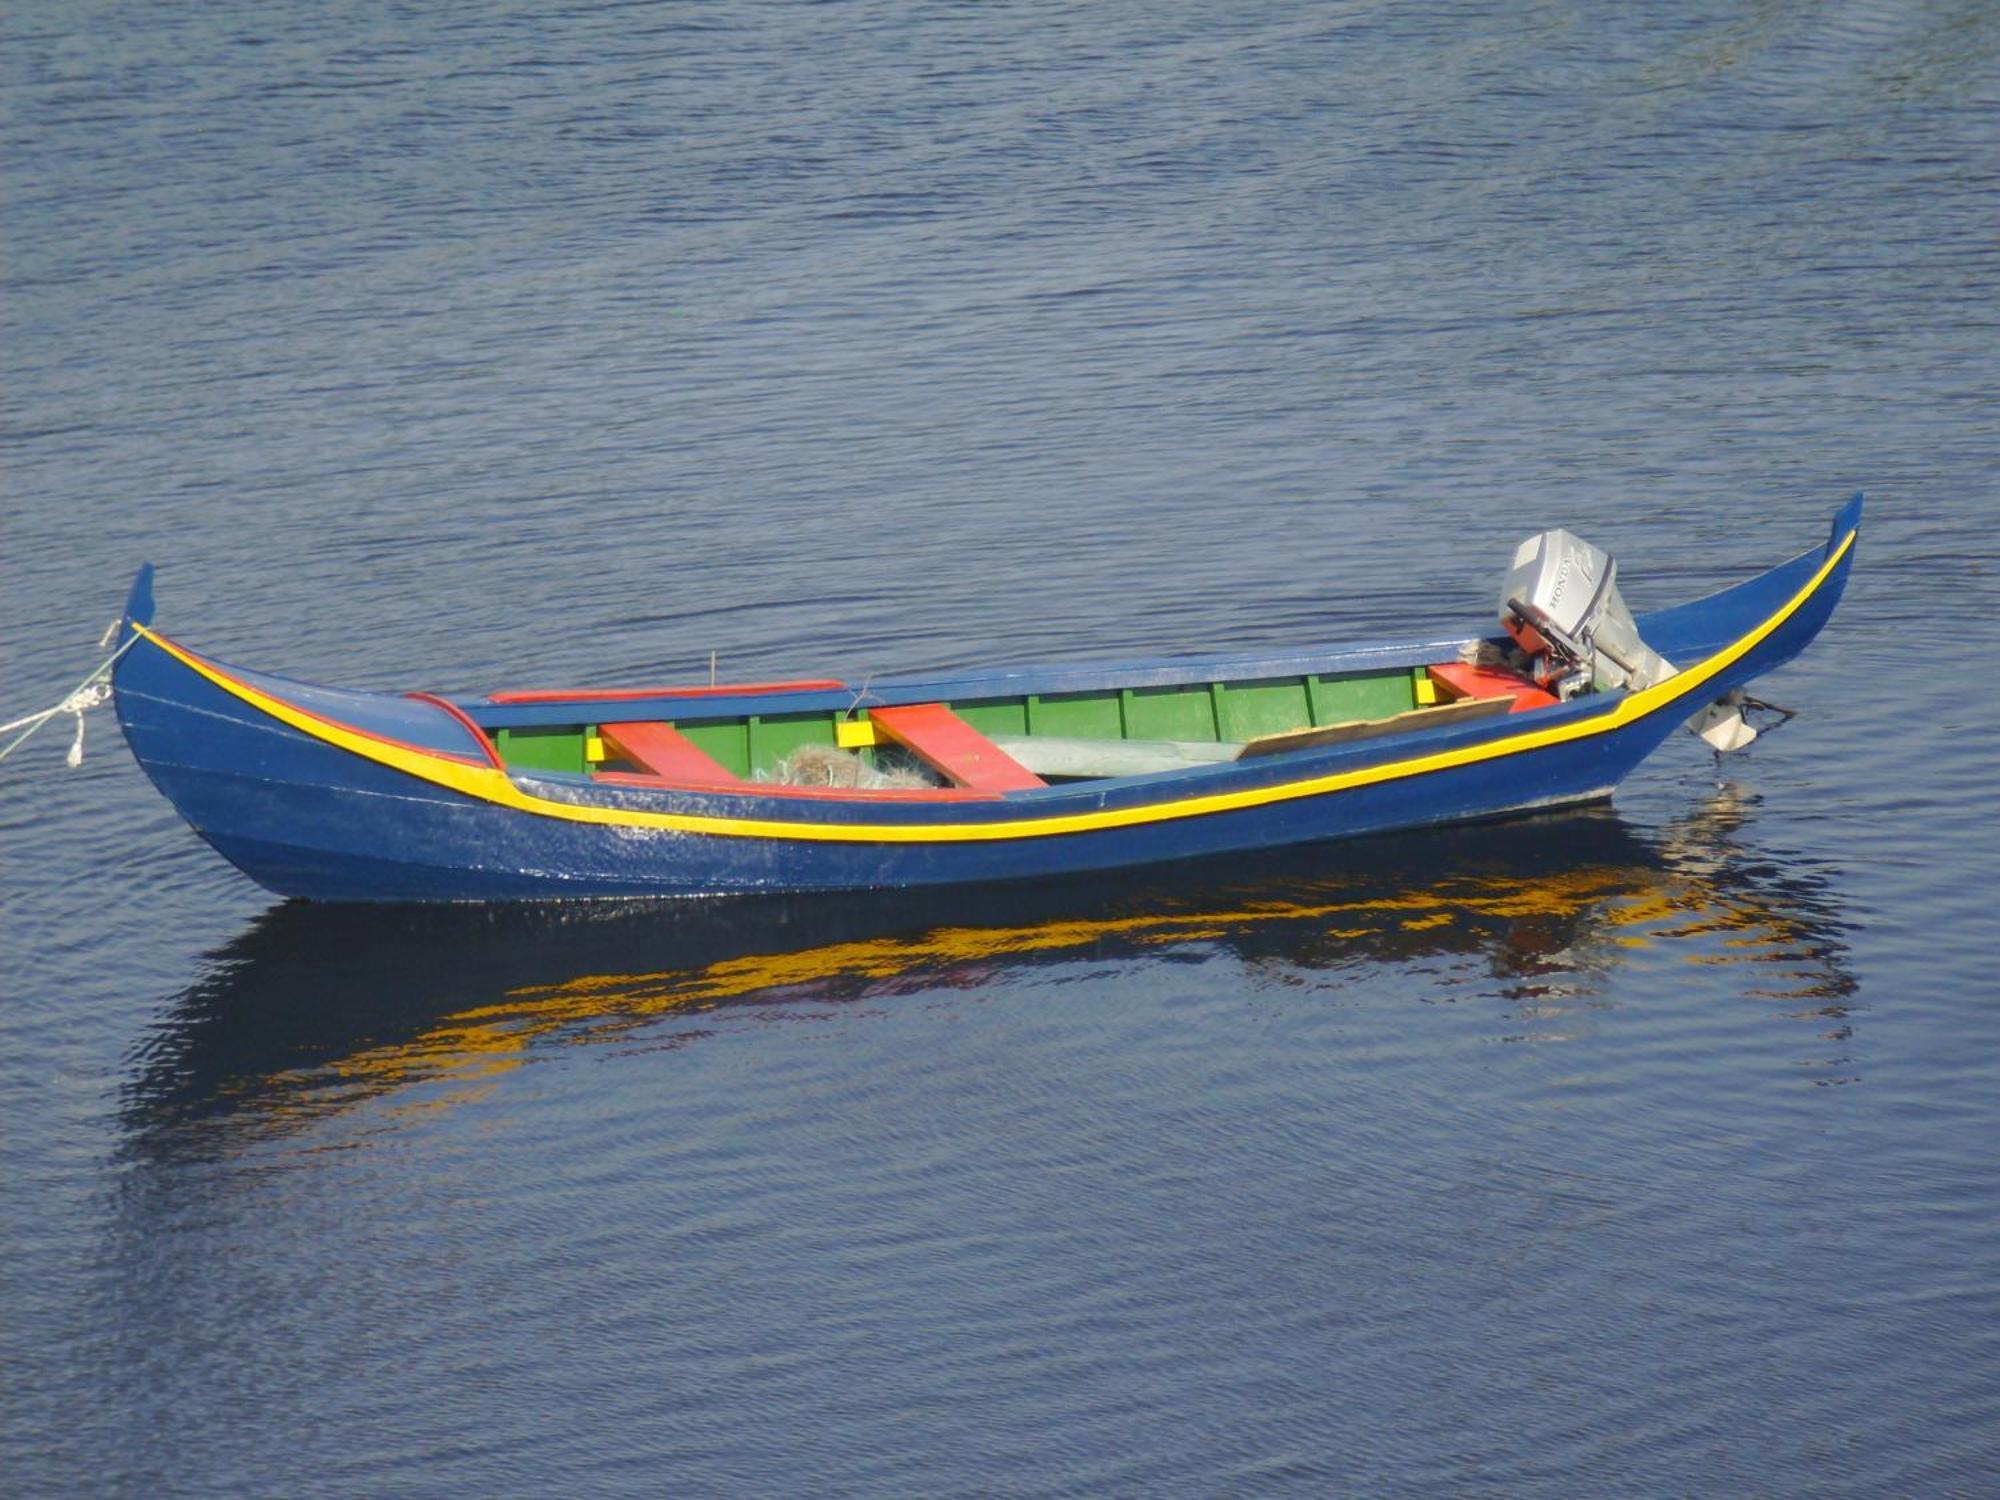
86 695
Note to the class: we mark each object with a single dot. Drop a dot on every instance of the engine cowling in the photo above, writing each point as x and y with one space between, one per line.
1560 604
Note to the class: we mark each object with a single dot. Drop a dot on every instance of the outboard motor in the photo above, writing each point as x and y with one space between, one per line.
1561 605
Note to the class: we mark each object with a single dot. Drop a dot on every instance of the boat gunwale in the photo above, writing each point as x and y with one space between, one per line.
1012 682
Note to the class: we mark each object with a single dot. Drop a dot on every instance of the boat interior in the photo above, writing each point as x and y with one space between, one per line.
821 738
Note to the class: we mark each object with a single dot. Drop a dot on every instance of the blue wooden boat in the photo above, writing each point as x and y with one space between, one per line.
336 795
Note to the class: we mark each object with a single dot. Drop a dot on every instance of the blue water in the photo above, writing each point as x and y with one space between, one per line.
1645 1150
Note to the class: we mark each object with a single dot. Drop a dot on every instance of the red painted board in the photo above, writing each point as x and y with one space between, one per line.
1468 681
623 695
665 752
947 744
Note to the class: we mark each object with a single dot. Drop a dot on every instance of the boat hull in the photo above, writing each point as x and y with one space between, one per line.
363 797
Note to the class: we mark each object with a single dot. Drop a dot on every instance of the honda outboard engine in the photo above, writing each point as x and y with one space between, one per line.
1561 605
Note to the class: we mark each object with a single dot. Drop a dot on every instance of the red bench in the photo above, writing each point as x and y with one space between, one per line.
1463 680
953 748
662 750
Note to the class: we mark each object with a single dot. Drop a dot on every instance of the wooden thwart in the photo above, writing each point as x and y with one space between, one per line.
662 750
1462 680
953 748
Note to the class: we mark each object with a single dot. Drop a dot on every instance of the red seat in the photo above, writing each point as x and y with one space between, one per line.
1463 680
951 747
664 751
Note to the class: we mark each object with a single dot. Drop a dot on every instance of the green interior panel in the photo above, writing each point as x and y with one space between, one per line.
1213 711
1337 700
777 736
1169 713
1082 716
726 741
1249 709
555 748
997 716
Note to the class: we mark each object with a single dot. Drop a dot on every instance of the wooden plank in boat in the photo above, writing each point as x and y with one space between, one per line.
1464 680
664 751
1462 712
950 746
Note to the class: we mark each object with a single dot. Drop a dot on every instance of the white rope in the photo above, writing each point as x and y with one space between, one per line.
86 695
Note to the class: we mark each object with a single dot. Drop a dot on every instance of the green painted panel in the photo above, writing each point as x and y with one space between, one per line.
554 748
1081 716
774 737
726 740
1250 709
1169 713
1336 700
997 716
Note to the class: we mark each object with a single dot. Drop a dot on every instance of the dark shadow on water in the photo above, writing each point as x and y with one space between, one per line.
315 1009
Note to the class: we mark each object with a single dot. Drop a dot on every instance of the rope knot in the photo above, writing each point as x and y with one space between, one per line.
85 699
86 695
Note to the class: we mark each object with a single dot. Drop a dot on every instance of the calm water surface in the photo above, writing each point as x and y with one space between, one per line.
1649 1149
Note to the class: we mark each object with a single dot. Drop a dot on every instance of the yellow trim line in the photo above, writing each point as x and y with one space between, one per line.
487 784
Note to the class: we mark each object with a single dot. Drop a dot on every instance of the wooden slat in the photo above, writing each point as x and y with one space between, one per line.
664 751
1462 680
1373 729
951 747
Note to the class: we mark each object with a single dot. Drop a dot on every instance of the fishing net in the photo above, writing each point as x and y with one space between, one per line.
823 765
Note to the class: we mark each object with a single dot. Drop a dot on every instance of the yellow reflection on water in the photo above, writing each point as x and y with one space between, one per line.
1606 904
1549 935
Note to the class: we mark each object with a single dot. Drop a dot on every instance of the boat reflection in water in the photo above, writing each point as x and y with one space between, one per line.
317 1009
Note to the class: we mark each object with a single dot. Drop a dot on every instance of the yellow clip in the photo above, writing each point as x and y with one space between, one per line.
593 749
854 734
